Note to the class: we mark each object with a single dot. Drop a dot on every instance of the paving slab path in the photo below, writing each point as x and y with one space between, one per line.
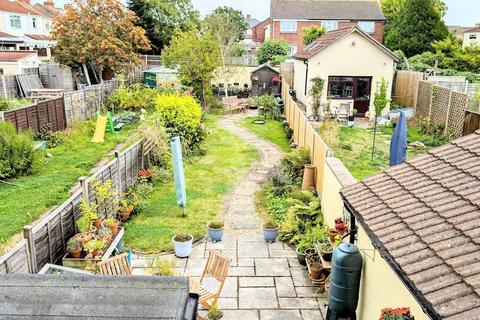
265 281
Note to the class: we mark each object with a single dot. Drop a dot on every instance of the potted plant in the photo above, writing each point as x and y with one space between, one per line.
125 210
112 223
340 227
89 217
301 255
270 231
146 174
94 247
74 247
315 266
214 313
397 313
326 250
183 245
215 230
332 234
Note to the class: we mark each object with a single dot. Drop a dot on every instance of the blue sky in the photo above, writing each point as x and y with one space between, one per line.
460 12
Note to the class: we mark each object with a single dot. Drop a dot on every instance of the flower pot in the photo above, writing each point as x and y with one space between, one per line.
301 258
114 228
316 271
96 253
97 223
270 235
327 256
76 254
310 252
124 216
183 249
215 234
308 177
332 234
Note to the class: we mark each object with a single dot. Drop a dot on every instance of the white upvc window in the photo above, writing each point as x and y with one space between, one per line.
47 26
288 26
292 50
330 25
473 37
15 22
34 23
367 26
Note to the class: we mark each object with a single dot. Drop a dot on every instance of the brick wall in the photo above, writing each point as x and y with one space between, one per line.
258 32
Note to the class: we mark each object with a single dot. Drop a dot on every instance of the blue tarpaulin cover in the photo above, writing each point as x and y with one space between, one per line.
398 144
178 172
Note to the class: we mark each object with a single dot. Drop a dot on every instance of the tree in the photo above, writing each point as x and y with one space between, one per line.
196 56
86 35
380 102
273 51
233 18
316 94
312 33
391 8
160 18
416 27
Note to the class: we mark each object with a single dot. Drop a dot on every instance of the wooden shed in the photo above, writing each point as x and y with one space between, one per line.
265 80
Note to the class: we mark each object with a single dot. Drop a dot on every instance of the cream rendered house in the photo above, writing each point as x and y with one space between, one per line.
351 62
472 37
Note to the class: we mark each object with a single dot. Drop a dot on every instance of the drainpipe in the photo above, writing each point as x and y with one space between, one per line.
305 62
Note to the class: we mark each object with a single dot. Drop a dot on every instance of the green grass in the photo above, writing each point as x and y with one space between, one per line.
209 179
50 184
359 159
271 131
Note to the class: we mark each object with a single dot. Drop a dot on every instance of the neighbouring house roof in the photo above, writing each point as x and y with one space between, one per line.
6 35
14 56
30 8
41 37
473 30
252 22
14 6
326 10
458 30
424 218
331 37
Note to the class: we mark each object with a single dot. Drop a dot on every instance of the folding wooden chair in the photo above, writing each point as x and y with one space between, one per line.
217 268
116 266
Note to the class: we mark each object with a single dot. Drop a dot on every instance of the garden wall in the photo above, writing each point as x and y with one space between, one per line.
306 136
45 242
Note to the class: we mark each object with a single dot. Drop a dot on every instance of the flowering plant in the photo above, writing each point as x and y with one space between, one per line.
396 314
145 173
340 226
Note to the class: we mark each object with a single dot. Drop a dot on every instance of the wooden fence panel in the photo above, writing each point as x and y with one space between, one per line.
9 87
406 88
424 99
16 260
440 105
457 113
472 123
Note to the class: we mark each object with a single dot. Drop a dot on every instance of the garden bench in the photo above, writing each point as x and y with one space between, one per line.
233 103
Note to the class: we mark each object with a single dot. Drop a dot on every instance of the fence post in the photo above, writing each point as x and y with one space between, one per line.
84 184
142 150
2 116
448 110
28 235
118 177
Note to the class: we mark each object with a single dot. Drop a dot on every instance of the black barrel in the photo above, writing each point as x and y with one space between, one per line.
345 280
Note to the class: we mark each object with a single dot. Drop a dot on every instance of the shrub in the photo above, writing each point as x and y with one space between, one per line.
137 96
74 244
159 266
17 154
269 105
9 104
281 184
216 225
329 131
294 163
45 133
160 155
181 116
270 225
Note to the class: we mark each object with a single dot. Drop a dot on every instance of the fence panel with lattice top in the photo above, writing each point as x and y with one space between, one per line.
424 99
440 106
456 116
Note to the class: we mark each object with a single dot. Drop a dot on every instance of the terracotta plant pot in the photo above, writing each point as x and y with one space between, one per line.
125 216
114 228
332 234
308 177
97 223
76 254
316 271
96 253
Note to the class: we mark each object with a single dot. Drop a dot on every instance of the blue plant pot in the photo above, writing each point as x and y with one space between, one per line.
183 249
129 257
270 235
215 234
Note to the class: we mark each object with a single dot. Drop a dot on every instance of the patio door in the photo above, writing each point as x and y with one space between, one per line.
362 88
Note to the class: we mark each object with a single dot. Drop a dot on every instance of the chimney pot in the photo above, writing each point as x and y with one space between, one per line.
49 3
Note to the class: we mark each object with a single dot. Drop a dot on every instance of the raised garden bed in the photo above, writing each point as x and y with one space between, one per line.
55 269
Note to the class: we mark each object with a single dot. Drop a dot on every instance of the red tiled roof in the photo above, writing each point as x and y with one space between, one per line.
14 56
38 36
6 35
9 6
331 37
474 30
424 217
31 8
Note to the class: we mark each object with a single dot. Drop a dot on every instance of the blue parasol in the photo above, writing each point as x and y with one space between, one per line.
398 144
178 172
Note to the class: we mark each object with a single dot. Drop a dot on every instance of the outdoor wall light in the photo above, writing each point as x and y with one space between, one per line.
353 43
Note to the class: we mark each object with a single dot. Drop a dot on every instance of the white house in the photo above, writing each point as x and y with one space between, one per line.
13 62
29 22
351 62
472 36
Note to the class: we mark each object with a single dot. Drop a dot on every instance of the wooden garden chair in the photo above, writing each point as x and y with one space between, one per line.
116 266
217 268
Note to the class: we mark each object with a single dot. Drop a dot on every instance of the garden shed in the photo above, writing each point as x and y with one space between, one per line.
161 75
265 80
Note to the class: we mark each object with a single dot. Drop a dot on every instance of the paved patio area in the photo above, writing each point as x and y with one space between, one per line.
265 281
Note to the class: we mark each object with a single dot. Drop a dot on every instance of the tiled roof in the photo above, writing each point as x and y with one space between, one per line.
326 10
330 37
30 8
424 216
458 30
14 56
474 30
9 6
38 36
6 35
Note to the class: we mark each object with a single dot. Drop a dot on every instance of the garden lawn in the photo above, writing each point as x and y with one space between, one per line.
50 185
271 131
359 159
209 178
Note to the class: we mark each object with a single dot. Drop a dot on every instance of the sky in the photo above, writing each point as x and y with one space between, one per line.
460 12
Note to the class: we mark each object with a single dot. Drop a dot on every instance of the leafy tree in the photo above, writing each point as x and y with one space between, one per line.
160 18
273 51
196 56
380 102
86 35
391 8
312 33
416 27
316 94
233 18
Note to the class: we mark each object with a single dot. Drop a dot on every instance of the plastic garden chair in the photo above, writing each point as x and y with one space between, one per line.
116 266
217 268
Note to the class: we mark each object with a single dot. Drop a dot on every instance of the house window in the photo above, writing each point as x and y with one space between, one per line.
292 50
473 37
367 26
288 26
34 23
330 25
47 26
15 22
340 87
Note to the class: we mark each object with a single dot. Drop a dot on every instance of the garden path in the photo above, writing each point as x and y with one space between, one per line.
265 281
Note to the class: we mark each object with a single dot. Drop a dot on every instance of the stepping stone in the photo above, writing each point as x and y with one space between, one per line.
257 298
280 315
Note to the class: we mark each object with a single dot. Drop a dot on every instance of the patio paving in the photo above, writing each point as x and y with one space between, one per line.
265 281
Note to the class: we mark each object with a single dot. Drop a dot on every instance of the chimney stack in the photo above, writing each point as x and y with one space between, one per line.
249 16
49 3
478 24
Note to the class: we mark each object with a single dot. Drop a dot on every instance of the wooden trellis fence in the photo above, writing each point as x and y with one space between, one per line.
8 87
45 242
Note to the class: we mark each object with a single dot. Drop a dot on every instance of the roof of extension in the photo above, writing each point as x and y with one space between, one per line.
326 10
424 216
38 37
14 56
6 35
474 30
333 36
